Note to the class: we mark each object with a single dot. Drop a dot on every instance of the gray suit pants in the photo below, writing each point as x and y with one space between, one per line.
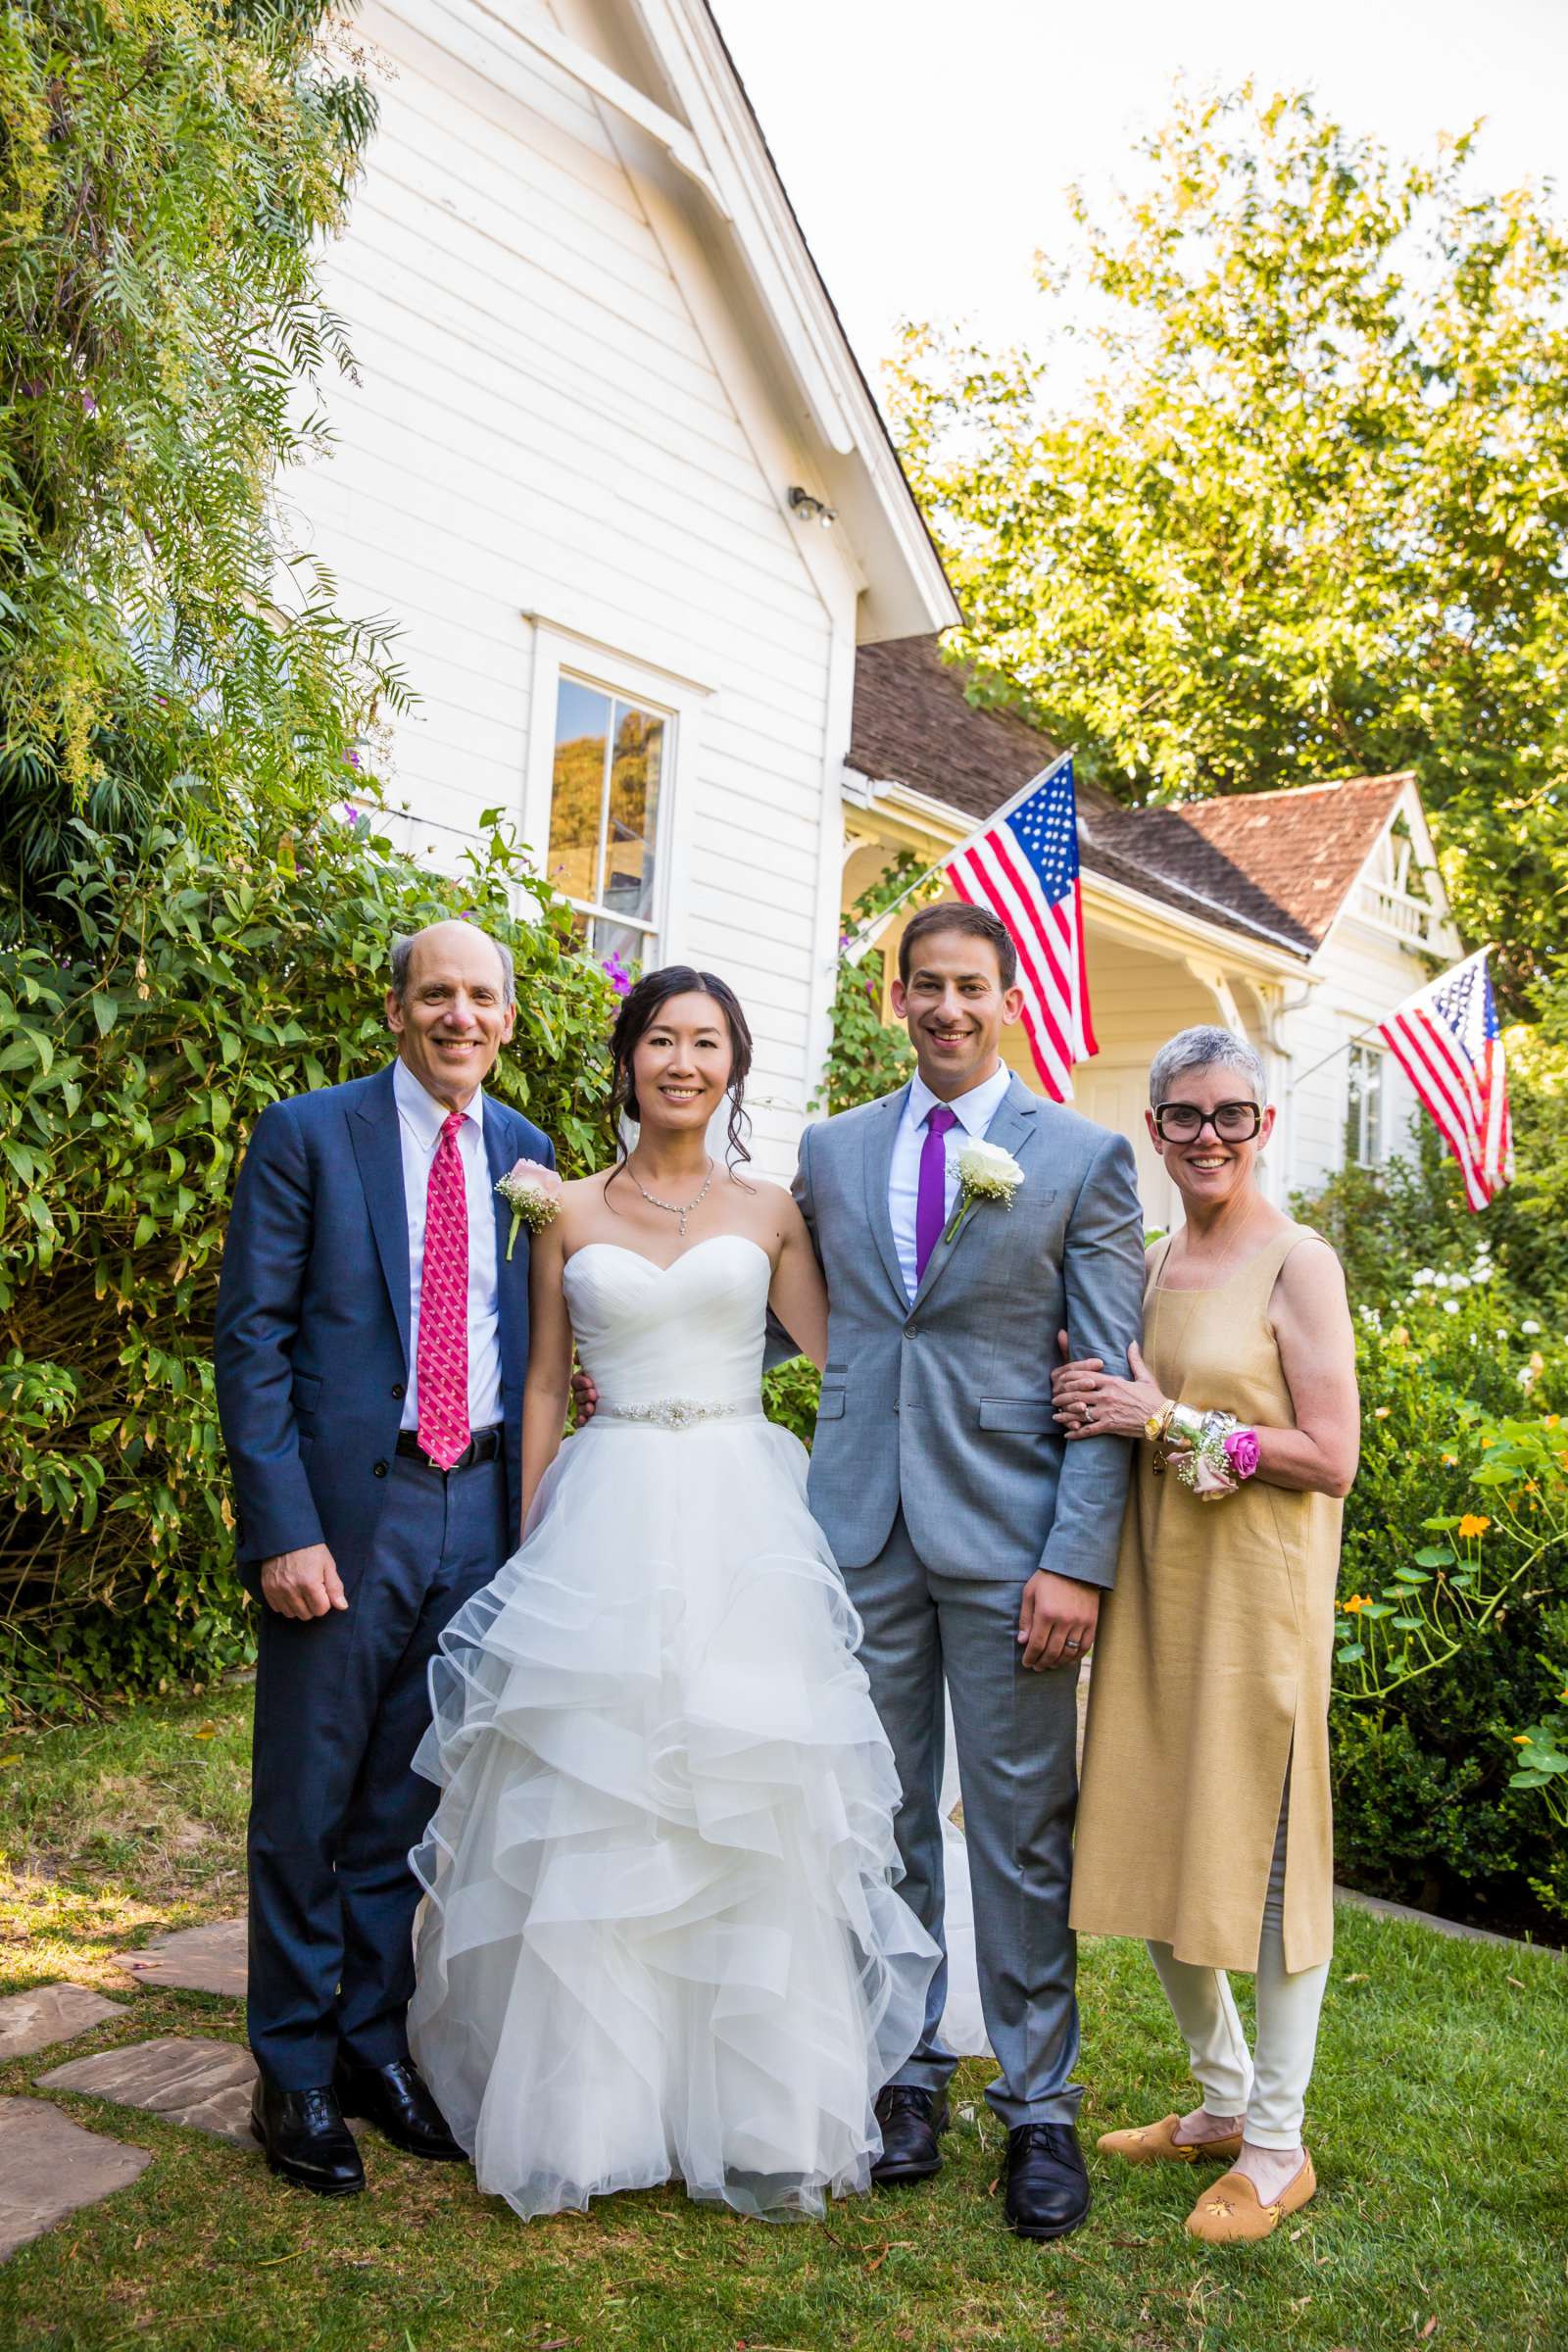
1017 1737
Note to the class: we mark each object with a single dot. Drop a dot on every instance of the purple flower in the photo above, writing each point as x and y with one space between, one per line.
351 813
351 760
34 387
617 974
89 407
1242 1451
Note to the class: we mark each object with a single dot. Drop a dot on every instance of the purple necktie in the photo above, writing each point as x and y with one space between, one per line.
931 1202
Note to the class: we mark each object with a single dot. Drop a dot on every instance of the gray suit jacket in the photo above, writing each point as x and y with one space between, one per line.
945 1405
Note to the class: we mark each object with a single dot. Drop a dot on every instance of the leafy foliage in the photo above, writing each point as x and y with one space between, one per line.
1308 517
868 1056
211 978
167 173
1454 1580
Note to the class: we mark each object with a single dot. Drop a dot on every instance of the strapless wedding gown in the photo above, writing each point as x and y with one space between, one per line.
661 1937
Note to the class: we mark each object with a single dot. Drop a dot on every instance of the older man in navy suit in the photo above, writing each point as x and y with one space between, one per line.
370 1348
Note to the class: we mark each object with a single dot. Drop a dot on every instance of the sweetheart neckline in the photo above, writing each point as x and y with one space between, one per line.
653 1264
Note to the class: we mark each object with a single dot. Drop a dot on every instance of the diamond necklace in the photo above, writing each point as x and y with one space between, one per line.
673 1209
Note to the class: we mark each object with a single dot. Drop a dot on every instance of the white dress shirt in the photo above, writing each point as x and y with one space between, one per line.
974 1112
421 1119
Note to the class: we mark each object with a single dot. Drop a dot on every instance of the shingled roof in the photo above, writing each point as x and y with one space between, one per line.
1275 865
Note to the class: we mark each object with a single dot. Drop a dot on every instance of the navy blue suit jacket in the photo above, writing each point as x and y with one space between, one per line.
311 1344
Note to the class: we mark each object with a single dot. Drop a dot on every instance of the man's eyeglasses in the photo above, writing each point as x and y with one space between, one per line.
1184 1122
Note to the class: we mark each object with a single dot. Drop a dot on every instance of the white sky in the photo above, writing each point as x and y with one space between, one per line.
925 143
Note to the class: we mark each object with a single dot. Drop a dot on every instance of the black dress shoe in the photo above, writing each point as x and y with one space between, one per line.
1047 2182
395 2100
305 2138
911 2121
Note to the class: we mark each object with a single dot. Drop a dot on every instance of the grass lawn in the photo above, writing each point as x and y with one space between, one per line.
1437 2120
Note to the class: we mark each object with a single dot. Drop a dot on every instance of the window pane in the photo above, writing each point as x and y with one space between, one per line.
634 949
577 796
1372 1109
1352 1113
628 869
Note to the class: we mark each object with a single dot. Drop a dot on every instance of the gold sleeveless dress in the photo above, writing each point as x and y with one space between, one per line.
1211 1670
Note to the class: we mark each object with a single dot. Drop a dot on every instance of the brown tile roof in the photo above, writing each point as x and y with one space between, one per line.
1302 848
1269 864
914 725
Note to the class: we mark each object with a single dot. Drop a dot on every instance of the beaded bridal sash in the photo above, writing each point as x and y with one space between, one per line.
680 1412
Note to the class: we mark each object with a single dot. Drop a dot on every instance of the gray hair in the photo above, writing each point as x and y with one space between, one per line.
1199 1050
403 956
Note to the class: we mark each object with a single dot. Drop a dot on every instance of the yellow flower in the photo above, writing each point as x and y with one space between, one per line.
1552 1420
1382 1413
1474 1524
1521 1739
1357 1601
1450 1457
1399 1336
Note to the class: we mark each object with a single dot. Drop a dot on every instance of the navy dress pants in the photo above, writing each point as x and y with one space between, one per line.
341 1704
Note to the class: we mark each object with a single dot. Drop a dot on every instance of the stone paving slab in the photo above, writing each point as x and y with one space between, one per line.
209 1959
206 2084
50 2013
51 2168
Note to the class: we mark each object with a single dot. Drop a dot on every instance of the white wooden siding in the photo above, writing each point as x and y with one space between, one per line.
539 425
1363 973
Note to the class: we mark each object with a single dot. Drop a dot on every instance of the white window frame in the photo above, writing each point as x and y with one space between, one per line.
560 650
1360 1159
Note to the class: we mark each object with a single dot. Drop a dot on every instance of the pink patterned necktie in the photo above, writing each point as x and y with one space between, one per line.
931 1200
441 1359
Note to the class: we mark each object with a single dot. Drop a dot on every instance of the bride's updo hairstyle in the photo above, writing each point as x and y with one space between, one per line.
639 1008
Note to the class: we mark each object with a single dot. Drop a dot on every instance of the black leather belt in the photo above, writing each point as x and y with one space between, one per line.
483 1447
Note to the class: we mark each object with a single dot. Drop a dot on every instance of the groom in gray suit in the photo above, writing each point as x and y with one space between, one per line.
974 1545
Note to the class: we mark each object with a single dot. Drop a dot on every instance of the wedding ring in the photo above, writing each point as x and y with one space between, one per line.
1088 1412
1072 1645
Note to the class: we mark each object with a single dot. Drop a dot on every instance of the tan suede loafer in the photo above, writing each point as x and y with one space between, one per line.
1230 2215
1156 2143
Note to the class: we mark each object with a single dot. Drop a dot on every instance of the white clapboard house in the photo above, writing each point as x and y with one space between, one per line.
666 597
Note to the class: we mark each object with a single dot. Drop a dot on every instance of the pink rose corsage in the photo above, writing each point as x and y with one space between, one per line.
1242 1451
534 1195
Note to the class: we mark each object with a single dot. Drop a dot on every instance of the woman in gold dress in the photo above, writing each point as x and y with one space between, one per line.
1203 1823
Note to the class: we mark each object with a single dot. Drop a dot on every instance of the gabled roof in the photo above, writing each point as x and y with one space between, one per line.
1297 852
1268 866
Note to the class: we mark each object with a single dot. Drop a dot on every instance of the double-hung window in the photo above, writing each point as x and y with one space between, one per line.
613 746
607 777
1363 1108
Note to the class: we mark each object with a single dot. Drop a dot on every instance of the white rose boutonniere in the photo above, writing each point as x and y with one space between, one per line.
985 1173
532 1192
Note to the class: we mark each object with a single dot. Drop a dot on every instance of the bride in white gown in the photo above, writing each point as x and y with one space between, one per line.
661 1939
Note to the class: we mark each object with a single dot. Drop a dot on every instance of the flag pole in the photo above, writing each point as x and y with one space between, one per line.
874 925
1363 1035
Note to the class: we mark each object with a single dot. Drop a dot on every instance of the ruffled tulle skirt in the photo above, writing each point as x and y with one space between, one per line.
661 1937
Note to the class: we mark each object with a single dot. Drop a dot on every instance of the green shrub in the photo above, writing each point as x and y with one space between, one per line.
211 979
1463 1485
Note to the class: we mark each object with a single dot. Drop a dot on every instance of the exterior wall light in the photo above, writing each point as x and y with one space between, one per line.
808 509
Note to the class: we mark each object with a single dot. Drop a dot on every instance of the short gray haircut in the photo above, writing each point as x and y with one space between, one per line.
1201 1049
403 956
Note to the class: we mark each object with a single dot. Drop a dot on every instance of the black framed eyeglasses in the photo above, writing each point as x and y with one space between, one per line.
1184 1122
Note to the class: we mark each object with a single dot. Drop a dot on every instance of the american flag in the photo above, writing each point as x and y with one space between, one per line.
1023 865
1448 1042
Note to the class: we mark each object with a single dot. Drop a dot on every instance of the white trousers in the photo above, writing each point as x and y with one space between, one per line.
1268 2087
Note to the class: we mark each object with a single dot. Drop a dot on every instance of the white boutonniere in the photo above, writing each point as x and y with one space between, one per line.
532 1192
985 1173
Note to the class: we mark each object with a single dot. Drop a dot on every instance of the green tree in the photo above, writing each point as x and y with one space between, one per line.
1307 516
167 171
